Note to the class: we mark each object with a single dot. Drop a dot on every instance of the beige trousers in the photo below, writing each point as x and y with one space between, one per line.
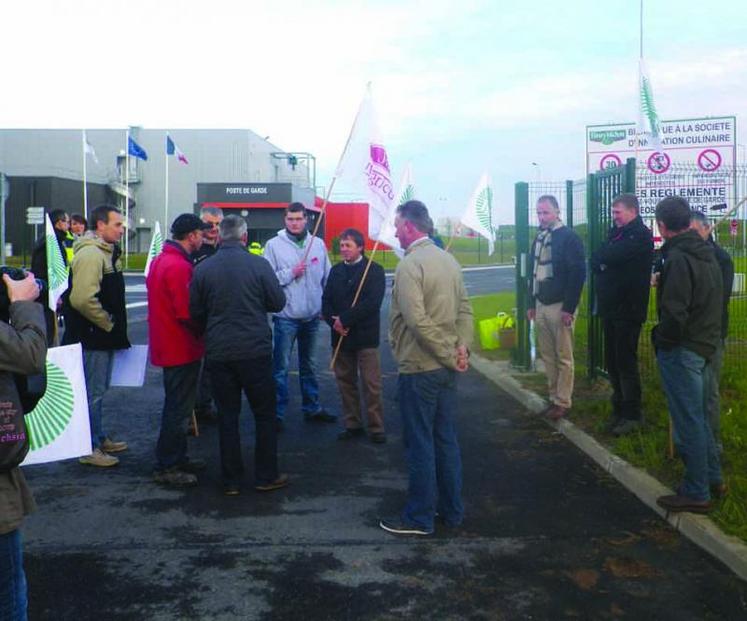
555 344
348 364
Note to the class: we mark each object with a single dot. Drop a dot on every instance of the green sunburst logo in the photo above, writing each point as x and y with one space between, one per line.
51 416
484 208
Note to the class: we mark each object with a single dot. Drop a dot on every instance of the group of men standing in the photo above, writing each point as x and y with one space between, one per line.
693 279
208 306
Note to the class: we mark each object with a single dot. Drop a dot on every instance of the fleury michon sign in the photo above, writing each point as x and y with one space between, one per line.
697 162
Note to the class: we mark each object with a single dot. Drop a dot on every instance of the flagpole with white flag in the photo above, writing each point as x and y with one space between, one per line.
479 213
166 193
85 176
155 248
365 164
405 192
57 272
127 197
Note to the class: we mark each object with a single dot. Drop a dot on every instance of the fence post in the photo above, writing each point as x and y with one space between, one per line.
629 182
569 203
591 203
521 356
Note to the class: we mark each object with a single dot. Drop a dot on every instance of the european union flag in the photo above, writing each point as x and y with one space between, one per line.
135 150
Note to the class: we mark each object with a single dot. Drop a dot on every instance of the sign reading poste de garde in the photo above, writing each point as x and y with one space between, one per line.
697 163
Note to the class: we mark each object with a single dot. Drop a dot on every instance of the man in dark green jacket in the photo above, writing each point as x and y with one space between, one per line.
689 299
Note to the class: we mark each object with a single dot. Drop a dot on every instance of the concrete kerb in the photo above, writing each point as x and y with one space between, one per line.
699 529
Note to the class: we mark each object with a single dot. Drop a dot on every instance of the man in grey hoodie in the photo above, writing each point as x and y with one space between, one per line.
302 266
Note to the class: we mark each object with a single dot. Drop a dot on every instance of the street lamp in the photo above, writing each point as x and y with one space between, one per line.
538 170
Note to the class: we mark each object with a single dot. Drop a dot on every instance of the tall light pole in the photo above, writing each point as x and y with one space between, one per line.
538 171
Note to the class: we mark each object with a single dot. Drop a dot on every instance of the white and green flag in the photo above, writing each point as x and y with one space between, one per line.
479 213
156 246
58 426
649 124
56 269
405 192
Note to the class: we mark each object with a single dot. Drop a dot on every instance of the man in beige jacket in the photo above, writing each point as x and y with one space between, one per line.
430 329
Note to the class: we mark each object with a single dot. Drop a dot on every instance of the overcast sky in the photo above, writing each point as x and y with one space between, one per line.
462 87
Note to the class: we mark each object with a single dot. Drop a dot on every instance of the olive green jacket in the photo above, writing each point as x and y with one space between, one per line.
430 314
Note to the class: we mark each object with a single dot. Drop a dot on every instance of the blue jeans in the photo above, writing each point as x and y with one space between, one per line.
683 373
180 388
427 404
13 598
285 333
97 366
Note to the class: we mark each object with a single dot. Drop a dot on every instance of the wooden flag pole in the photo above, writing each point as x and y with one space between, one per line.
319 219
355 301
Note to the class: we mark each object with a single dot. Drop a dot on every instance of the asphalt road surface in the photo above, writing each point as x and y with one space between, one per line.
548 535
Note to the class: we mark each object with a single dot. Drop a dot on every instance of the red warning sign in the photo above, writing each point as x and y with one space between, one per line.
609 161
709 160
658 163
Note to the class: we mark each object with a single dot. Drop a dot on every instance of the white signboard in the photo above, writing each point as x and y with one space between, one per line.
698 160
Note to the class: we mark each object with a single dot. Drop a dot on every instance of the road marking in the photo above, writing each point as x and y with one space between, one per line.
136 304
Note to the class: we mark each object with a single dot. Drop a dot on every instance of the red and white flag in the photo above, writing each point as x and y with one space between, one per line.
364 166
172 149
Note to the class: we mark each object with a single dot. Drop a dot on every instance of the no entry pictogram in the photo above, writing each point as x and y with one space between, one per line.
609 161
709 160
659 163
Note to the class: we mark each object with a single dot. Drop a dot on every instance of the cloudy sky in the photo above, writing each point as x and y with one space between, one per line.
462 86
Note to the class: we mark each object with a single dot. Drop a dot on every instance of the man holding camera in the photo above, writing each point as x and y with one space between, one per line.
23 350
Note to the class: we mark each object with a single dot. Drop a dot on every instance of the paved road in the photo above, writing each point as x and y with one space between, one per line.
548 534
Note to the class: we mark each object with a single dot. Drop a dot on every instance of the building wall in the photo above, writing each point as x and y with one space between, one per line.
215 155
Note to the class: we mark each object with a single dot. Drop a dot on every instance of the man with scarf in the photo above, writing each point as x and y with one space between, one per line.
302 266
622 274
558 271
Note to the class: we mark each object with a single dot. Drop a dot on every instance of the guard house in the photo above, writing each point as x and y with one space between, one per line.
262 205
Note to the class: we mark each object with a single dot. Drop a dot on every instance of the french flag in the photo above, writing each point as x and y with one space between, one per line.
172 149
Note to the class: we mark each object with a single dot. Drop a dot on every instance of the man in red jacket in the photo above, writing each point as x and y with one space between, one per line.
177 346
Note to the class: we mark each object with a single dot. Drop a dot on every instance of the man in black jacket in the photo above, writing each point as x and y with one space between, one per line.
229 297
622 273
204 410
699 222
689 304
558 270
358 327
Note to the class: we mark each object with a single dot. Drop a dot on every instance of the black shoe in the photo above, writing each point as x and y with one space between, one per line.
279 483
173 477
398 527
322 416
613 422
193 466
279 426
676 504
231 489
625 427
378 437
350 434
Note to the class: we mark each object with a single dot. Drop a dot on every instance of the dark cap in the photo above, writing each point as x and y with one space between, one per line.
188 222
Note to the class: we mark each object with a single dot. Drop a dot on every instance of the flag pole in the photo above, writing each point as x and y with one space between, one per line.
127 198
85 177
332 183
355 301
166 193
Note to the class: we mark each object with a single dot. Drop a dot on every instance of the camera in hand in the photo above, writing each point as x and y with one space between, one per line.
15 273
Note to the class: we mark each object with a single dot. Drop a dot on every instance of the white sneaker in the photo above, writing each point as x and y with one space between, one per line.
99 459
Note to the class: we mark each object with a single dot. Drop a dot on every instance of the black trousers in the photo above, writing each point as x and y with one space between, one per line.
254 377
621 356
